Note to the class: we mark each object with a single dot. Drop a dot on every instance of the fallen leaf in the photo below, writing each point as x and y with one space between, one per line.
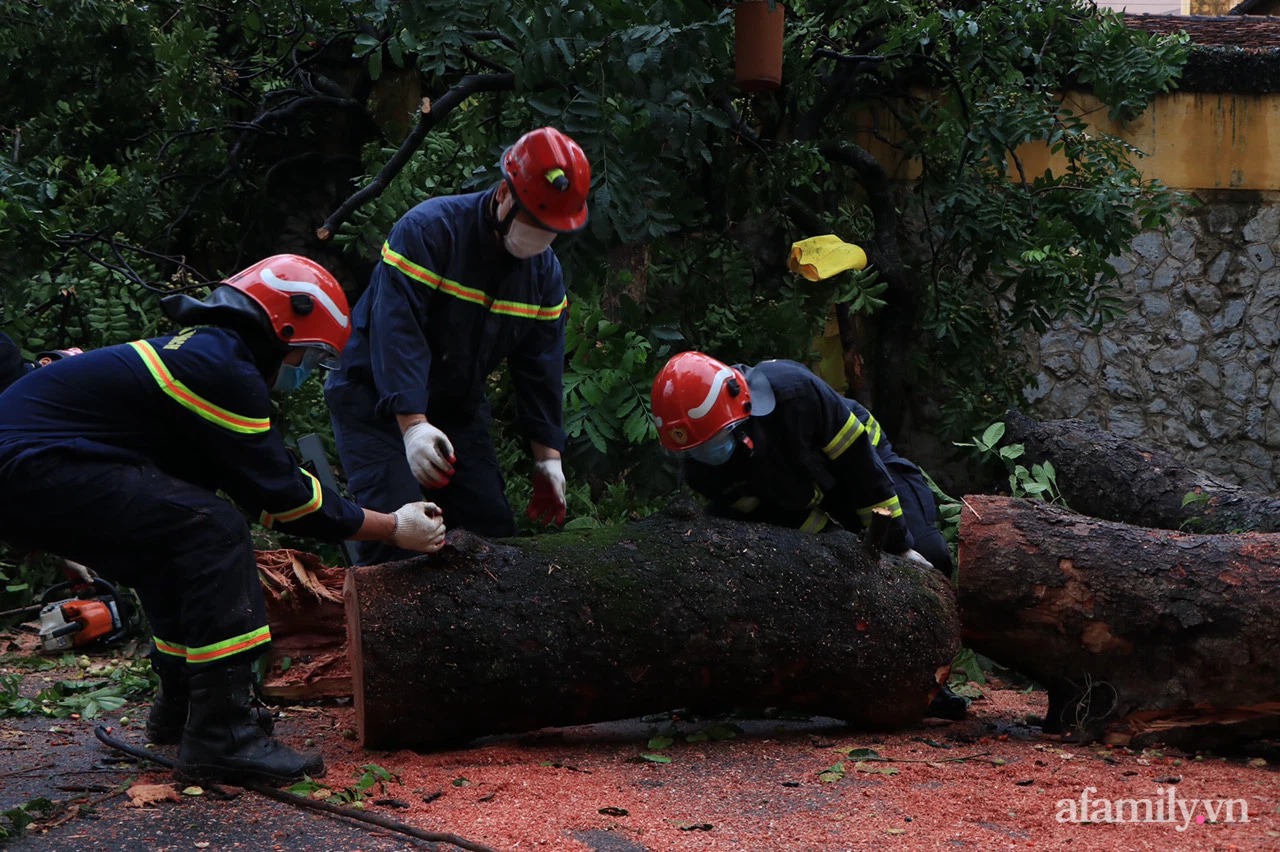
875 770
193 791
859 753
697 826
895 831
1258 762
202 844
659 743
655 758
616 812
142 795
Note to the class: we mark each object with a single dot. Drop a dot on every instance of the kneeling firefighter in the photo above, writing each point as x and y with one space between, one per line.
775 443
115 458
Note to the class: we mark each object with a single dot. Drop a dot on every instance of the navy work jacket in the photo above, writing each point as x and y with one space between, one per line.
445 307
193 404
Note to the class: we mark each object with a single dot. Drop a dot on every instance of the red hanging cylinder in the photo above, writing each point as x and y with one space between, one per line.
757 41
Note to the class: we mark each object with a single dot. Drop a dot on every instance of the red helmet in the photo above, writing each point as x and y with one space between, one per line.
295 298
44 359
695 397
549 178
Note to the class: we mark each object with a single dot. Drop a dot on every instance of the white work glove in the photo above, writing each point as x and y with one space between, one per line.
419 526
430 455
915 557
547 505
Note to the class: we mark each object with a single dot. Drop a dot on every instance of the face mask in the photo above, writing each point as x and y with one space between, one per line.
290 378
523 241
717 451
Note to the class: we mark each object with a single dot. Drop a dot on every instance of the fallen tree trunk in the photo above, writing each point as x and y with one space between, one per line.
1105 476
675 611
1138 634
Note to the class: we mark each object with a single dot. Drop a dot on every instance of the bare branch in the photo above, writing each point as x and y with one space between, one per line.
431 116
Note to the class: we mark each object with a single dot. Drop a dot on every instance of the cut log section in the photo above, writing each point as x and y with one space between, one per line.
1138 634
1105 476
678 611
308 654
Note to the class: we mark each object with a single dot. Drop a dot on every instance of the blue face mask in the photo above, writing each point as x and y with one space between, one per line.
290 378
717 451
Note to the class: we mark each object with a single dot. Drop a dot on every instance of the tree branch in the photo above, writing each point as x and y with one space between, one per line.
431 116
492 35
484 60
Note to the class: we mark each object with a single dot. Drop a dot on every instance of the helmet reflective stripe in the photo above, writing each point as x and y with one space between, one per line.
717 383
307 288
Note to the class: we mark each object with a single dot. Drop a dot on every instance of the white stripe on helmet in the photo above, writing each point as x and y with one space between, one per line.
716 384
306 287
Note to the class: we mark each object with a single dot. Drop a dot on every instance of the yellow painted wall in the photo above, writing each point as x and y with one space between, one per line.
1208 7
1192 141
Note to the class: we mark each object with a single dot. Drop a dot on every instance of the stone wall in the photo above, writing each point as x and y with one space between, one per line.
1192 365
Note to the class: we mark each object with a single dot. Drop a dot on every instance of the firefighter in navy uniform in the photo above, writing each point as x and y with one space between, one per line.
114 458
774 443
465 282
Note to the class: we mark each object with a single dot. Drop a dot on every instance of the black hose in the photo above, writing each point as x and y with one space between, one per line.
302 801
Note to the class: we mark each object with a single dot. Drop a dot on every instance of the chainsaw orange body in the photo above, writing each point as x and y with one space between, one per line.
75 622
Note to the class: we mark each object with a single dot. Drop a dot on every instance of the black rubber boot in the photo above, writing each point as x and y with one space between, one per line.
169 710
225 740
947 705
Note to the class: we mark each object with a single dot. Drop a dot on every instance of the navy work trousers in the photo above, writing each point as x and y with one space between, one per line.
185 551
379 478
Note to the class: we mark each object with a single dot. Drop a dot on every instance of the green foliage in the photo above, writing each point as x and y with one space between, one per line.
1041 481
23 815
88 698
368 777
22 580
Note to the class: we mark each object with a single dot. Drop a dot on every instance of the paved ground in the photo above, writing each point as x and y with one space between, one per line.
990 782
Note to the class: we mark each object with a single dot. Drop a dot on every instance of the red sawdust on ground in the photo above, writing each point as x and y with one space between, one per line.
516 797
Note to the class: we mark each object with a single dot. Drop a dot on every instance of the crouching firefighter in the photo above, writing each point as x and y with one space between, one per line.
774 443
114 458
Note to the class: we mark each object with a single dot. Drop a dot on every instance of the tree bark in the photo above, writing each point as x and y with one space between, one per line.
1105 476
675 611
1138 634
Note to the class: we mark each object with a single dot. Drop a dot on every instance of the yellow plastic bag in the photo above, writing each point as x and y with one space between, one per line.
819 258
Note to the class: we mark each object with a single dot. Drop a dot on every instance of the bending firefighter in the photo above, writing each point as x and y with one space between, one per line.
114 458
774 443
466 282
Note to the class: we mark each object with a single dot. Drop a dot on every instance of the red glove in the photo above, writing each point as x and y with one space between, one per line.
548 503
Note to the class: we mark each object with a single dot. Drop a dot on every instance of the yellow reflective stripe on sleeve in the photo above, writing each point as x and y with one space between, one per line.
188 399
844 438
312 505
171 648
815 522
873 429
746 505
892 504
520 309
470 294
226 648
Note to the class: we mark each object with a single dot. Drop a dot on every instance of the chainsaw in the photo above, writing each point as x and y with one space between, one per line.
97 614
